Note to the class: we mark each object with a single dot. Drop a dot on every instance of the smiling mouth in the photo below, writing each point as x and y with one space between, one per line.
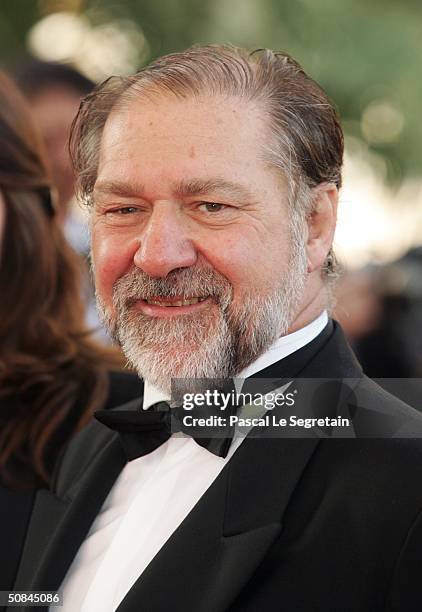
174 302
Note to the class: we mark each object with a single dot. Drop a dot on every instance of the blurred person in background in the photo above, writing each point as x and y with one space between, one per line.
382 350
410 269
357 305
380 309
53 375
55 91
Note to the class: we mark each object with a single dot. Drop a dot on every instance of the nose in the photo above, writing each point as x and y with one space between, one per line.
164 242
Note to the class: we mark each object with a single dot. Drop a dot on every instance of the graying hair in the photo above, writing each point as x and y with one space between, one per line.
305 141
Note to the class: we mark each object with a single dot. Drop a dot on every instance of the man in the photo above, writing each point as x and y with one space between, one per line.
212 178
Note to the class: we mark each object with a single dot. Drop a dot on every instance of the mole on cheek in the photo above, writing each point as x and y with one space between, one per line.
192 152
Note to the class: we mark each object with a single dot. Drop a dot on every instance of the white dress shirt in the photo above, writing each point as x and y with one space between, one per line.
150 499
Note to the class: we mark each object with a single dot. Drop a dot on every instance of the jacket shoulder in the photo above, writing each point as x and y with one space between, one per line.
123 387
384 415
82 450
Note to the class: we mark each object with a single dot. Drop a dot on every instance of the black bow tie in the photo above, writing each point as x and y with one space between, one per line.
142 431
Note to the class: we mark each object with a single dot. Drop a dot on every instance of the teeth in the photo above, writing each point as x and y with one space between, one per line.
188 302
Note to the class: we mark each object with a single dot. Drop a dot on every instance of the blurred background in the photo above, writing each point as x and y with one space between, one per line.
368 58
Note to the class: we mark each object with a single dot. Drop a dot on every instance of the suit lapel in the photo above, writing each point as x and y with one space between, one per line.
76 513
213 553
48 511
88 471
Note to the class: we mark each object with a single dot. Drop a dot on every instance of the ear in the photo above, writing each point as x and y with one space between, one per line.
321 224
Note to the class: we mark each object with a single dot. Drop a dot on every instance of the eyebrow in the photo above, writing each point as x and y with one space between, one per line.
183 188
197 187
120 188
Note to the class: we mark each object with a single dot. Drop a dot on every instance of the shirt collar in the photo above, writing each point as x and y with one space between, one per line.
286 345
281 348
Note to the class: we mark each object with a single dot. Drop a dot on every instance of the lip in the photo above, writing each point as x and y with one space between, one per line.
152 310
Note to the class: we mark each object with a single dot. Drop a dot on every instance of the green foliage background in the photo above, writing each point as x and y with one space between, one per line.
359 51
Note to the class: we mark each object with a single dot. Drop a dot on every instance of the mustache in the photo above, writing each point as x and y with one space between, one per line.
182 283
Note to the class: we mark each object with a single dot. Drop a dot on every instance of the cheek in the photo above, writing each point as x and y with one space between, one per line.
251 262
112 257
240 260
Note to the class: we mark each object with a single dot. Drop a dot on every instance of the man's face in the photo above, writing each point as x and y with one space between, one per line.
195 269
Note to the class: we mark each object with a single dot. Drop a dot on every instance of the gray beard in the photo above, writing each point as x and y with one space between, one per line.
217 343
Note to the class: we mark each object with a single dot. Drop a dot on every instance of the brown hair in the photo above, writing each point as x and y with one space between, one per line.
48 360
309 138
305 141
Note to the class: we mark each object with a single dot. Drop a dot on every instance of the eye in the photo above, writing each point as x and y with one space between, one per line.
124 210
123 215
212 207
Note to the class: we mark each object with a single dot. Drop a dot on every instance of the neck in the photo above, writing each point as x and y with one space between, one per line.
311 308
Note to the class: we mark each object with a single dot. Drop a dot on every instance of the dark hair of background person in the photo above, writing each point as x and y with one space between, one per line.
33 76
55 91
48 360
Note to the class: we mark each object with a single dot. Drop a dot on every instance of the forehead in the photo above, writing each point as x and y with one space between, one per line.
169 136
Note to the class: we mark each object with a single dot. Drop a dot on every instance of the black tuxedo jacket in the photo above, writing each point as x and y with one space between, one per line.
16 506
297 525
